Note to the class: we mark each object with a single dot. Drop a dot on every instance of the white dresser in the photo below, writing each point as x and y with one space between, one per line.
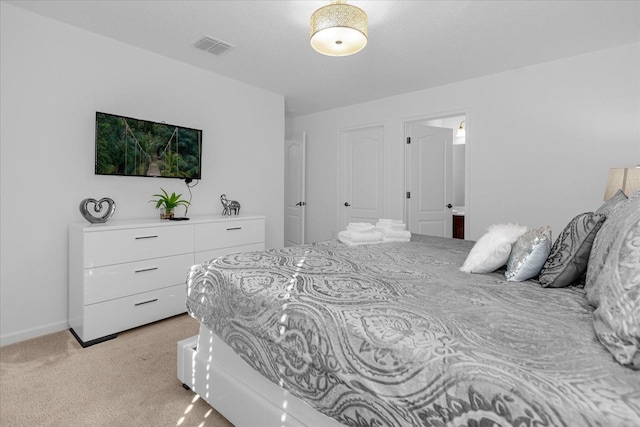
124 274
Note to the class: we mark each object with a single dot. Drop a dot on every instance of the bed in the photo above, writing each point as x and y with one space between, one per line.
394 334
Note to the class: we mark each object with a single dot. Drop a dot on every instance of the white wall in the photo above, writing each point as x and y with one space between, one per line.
54 78
540 142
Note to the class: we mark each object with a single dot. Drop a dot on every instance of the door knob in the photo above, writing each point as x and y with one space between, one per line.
449 205
347 204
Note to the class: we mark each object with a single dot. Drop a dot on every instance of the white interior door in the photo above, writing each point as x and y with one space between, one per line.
361 175
429 180
294 177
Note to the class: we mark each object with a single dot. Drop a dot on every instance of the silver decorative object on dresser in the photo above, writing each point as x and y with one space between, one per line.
229 205
97 208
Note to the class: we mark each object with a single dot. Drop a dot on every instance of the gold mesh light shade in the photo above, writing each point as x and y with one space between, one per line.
627 180
339 29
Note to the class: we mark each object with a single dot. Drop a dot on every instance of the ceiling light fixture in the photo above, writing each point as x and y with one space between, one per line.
339 29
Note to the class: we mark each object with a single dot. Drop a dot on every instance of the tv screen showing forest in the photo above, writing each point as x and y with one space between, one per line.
132 147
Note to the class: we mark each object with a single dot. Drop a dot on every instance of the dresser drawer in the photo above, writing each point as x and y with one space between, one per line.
224 234
115 281
117 315
117 246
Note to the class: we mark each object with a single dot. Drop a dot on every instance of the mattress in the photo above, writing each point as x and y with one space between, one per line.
394 334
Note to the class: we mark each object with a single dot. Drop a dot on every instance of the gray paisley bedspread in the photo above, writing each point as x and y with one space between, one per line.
394 334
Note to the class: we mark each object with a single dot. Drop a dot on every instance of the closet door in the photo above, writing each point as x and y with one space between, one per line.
361 175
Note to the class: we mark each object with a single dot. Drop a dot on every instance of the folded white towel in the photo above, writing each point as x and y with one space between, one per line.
360 226
390 226
366 236
385 230
354 238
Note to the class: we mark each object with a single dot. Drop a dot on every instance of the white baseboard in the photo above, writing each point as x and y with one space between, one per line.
33 333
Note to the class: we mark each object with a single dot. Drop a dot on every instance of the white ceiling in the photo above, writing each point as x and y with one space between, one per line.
412 45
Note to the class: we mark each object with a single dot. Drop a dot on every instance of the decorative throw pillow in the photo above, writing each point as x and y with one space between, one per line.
603 243
612 204
615 290
492 250
529 254
570 252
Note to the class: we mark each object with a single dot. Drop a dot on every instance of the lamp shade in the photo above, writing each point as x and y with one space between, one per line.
339 29
625 179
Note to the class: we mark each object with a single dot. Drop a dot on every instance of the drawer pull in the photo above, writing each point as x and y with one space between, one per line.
145 302
142 270
234 228
146 237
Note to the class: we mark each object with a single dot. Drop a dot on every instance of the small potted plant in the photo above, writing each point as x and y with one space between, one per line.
168 203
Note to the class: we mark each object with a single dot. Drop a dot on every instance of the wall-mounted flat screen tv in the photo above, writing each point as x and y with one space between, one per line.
133 147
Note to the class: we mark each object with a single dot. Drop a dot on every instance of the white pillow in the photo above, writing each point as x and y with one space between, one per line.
492 250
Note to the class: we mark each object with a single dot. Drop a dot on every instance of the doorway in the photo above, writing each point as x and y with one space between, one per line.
435 176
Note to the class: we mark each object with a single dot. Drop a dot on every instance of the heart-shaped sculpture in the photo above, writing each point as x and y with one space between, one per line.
98 207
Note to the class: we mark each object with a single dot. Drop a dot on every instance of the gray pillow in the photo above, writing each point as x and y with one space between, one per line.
613 283
612 204
604 241
570 252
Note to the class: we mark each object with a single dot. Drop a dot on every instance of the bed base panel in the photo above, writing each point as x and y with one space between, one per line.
218 375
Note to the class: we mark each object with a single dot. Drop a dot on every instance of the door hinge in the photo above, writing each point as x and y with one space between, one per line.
408 194
408 140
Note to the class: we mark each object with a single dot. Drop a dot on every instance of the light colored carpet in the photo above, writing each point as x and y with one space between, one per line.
131 380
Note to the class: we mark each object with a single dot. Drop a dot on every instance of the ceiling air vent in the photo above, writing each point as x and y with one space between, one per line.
211 45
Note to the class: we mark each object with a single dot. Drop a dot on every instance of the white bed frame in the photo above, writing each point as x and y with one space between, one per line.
217 374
